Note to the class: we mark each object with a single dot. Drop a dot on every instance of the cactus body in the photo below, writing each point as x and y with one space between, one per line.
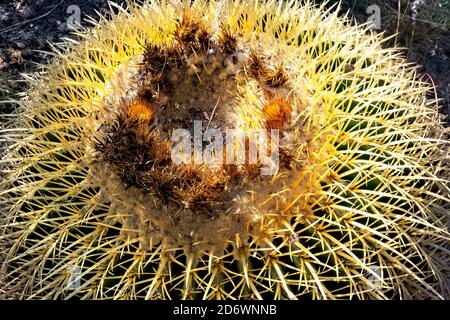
95 207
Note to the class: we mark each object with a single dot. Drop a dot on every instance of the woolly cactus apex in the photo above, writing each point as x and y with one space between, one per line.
96 204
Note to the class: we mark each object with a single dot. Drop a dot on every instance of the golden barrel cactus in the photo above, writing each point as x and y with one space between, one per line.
96 202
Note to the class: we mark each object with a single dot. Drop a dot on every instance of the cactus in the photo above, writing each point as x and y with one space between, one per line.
94 206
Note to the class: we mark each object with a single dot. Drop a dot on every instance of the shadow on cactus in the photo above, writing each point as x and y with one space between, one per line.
96 207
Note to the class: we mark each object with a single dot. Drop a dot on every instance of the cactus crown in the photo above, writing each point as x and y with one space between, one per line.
353 205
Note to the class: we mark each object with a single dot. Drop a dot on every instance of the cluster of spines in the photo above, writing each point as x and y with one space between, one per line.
134 140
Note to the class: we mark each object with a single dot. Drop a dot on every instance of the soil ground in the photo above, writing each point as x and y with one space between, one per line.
27 27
